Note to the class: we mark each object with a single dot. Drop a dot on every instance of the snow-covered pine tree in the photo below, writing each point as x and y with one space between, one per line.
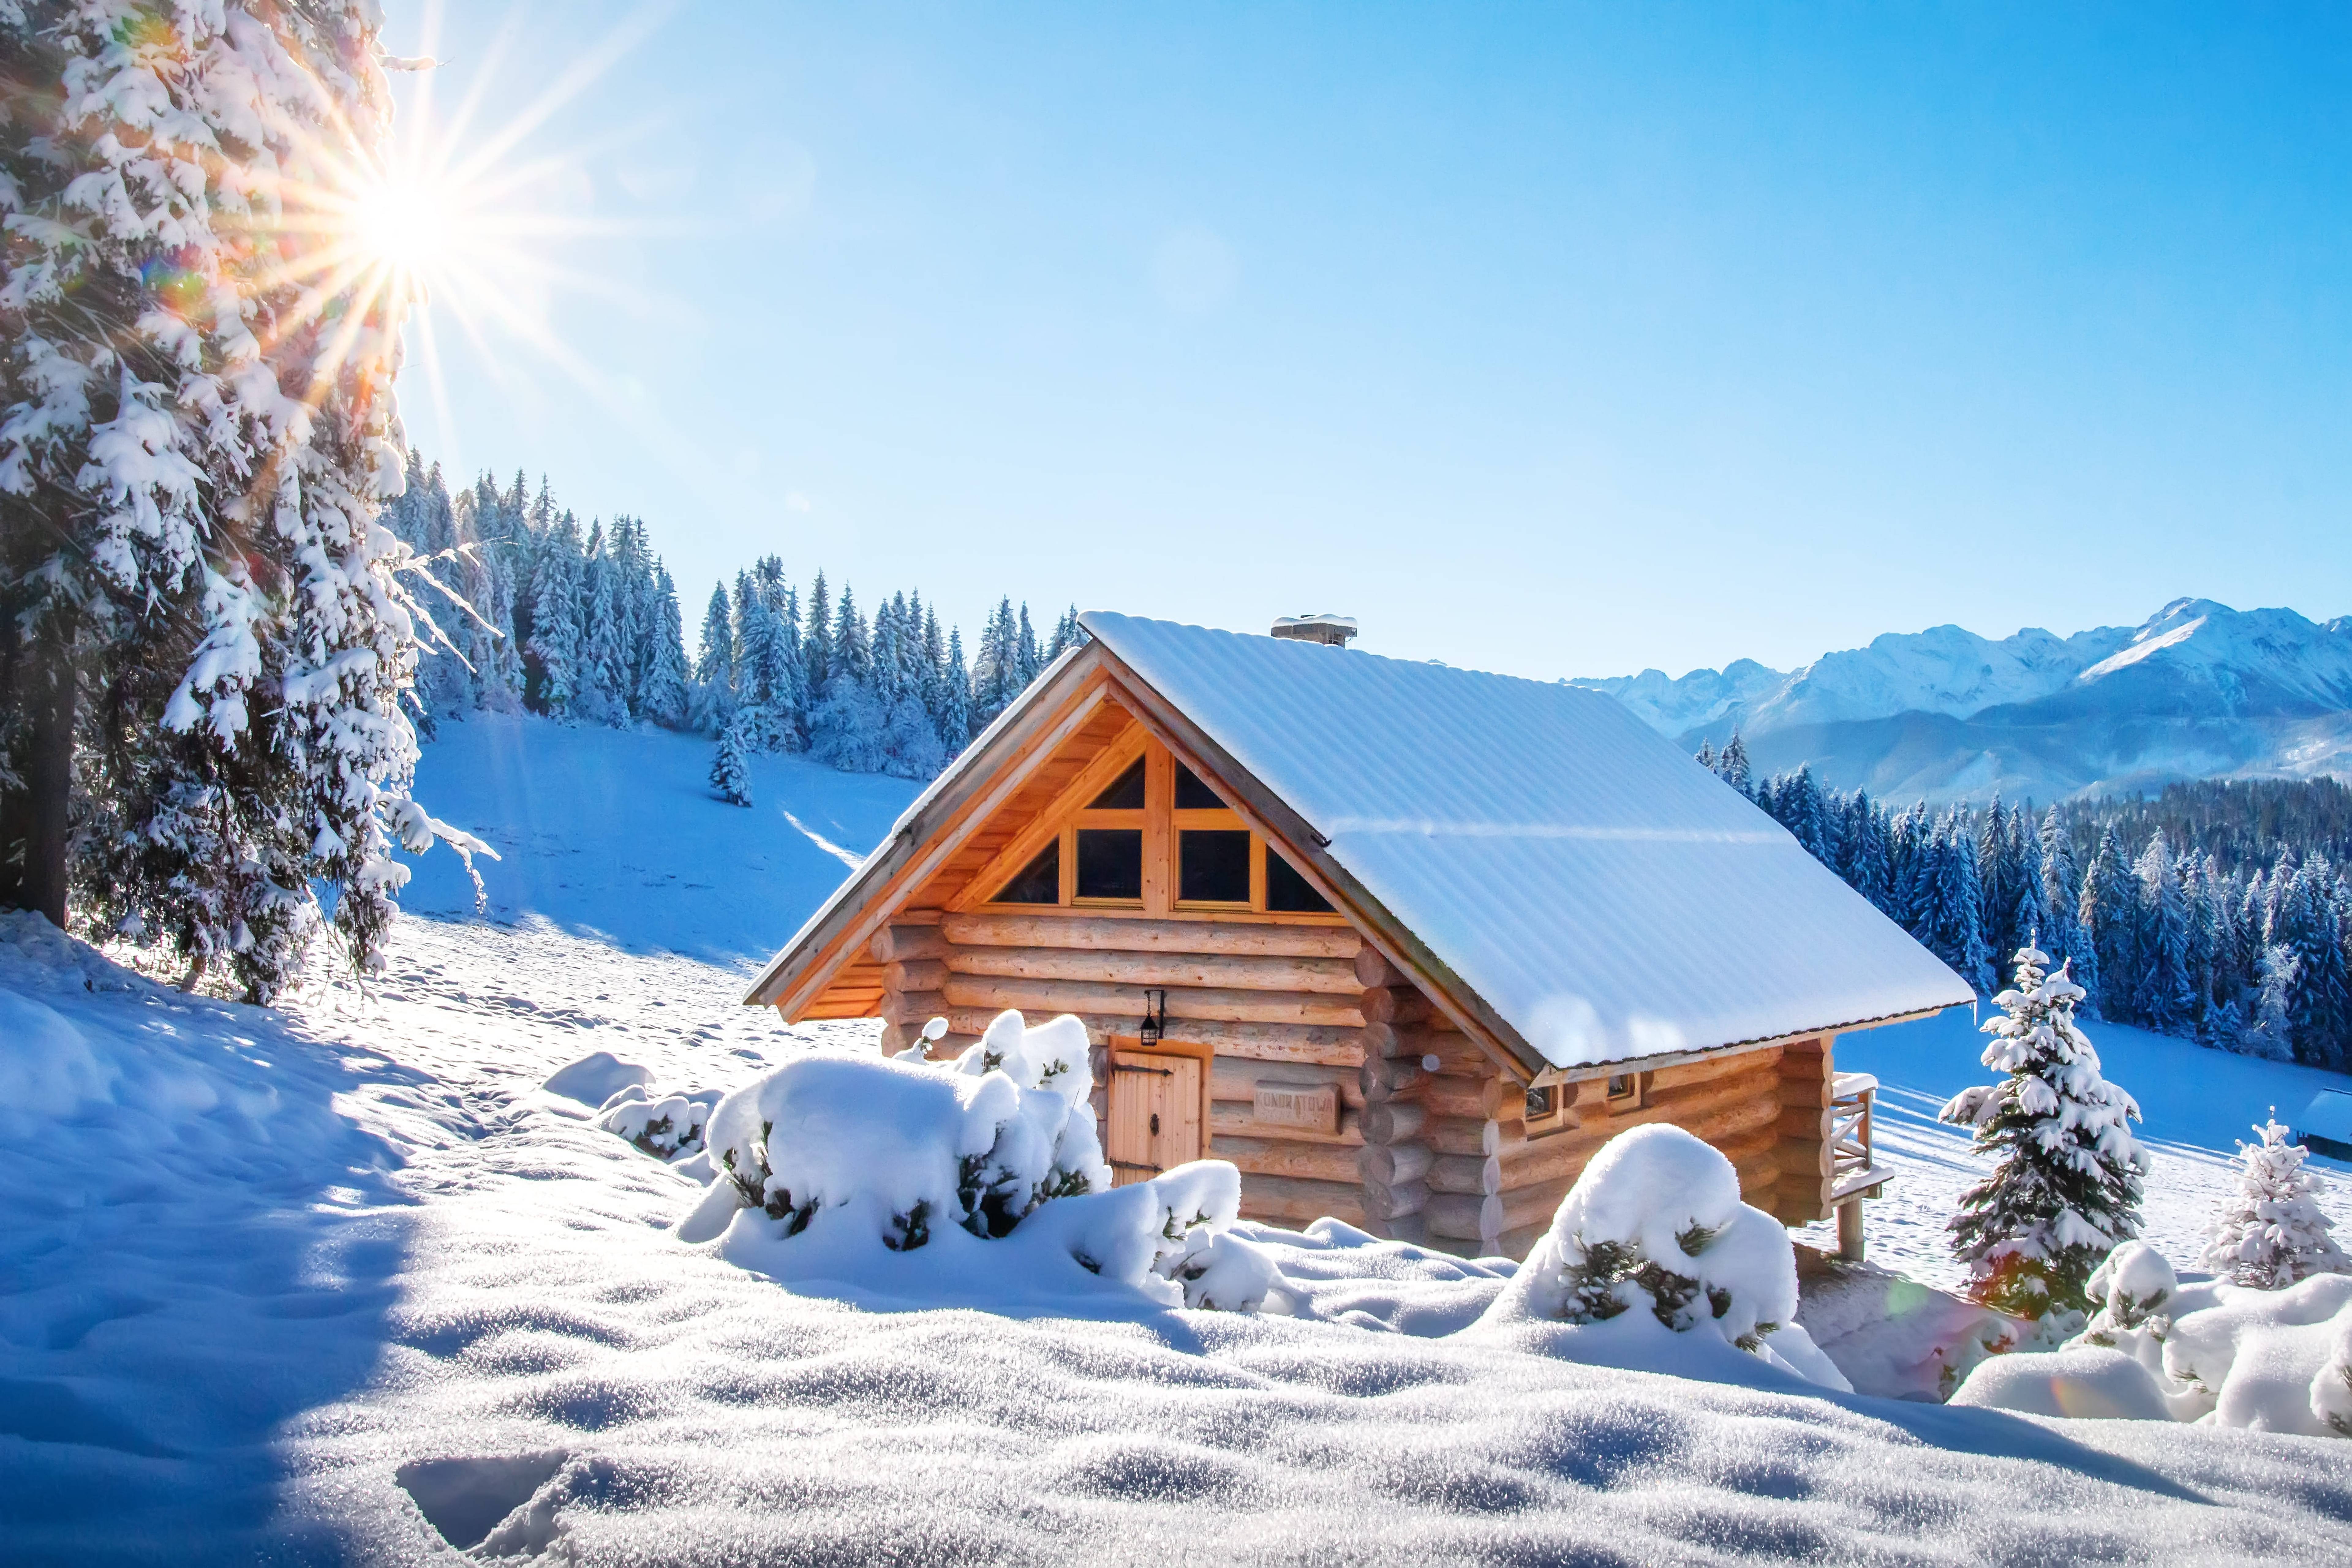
2271 1233
2066 1187
1705 756
197 429
1733 764
1862 847
1028 659
2164 995
1948 923
667 701
730 768
602 695
555 630
994 673
714 666
2307 921
2272 1034
816 638
2108 917
955 698
2061 899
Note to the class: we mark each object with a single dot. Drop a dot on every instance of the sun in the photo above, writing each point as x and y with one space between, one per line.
405 222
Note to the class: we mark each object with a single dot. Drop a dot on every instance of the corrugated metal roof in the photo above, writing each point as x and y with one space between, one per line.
1601 891
2329 1115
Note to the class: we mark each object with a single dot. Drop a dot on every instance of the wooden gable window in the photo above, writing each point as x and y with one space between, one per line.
1139 829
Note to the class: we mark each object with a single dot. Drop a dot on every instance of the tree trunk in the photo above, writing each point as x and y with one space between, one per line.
46 687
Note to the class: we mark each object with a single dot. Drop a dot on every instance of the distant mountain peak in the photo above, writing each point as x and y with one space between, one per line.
2198 689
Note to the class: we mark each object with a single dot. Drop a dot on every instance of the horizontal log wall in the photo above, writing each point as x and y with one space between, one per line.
1432 1144
1276 1004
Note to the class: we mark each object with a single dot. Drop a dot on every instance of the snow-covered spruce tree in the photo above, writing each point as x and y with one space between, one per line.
730 769
2271 1232
667 701
207 637
2108 917
2066 1188
714 670
555 622
2272 1035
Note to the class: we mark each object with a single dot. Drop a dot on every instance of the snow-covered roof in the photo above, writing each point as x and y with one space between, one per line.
2329 1115
1604 894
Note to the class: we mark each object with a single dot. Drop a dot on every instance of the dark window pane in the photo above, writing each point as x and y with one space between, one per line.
1110 862
1212 866
1289 891
1039 882
1127 795
1192 795
1539 1103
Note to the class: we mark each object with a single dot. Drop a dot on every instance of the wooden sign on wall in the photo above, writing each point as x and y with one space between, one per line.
1312 1107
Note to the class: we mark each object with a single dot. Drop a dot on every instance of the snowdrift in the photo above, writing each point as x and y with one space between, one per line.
978 1181
2209 1351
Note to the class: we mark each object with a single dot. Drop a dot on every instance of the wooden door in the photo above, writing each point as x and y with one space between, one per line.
1155 1114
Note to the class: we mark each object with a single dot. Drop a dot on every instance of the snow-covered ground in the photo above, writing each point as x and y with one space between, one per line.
269 1281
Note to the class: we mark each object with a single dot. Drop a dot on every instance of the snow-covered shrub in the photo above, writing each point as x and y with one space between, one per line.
2067 1186
2209 1351
2271 1232
988 1166
665 1125
1654 1227
2331 1390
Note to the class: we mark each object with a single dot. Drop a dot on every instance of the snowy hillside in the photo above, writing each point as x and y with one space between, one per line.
346 1282
2198 691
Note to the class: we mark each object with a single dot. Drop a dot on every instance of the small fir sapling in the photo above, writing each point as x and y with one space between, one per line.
730 769
2271 1233
2066 1188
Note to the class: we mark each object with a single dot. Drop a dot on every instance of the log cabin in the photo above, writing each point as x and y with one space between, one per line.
1405 943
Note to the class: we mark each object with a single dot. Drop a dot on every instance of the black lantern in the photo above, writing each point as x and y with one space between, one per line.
1155 1016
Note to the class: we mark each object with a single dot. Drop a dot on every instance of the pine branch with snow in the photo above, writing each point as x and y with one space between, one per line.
2271 1232
2066 1188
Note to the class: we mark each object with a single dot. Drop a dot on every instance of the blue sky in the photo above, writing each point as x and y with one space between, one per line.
1556 340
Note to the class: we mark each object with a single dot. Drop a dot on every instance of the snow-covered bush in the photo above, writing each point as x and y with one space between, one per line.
2209 1351
1653 1230
2067 1186
988 1167
2271 1232
664 1125
2331 1390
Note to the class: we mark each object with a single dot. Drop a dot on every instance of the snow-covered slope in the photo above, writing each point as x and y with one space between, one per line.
2198 691
345 1283
616 835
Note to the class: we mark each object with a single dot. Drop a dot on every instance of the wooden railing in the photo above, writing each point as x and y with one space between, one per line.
1853 1172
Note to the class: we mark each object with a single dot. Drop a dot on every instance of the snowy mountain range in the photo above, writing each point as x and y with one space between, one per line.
2198 691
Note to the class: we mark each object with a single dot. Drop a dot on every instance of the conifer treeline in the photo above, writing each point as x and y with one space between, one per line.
2166 932
586 626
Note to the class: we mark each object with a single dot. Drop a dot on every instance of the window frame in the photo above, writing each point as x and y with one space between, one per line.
1163 826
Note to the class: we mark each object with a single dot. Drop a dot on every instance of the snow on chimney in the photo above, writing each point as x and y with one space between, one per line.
1334 631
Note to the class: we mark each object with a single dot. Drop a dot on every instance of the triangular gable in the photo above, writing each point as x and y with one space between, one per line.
1061 742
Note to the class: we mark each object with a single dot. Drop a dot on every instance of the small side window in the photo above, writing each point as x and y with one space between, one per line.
1038 882
1624 1091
